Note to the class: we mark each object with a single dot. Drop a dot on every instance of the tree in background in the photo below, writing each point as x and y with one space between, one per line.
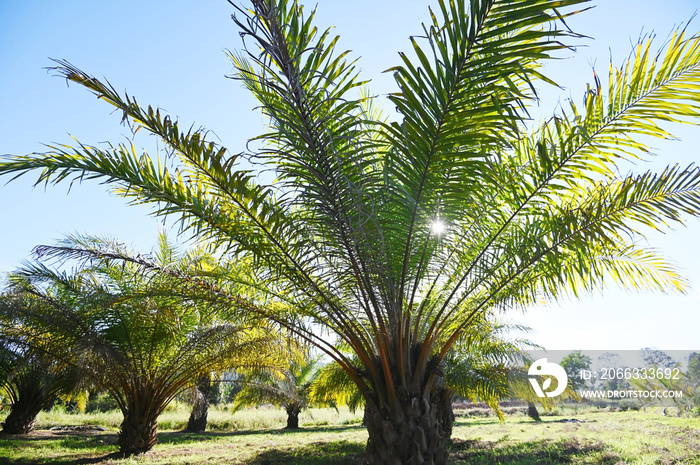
143 337
573 363
397 233
479 366
289 388
612 383
201 393
693 376
521 389
665 377
693 370
334 386
657 358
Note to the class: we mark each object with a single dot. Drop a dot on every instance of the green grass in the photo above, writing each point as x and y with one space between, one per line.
603 438
332 438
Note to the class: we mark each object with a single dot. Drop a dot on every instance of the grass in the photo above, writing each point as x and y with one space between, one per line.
602 438
336 438
219 419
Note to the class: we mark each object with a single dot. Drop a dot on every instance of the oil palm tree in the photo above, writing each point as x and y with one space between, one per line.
289 388
31 381
396 233
143 337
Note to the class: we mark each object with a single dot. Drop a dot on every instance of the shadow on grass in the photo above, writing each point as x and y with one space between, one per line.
69 441
80 443
319 453
103 446
465 421
64 460
184 437
542 452
305 452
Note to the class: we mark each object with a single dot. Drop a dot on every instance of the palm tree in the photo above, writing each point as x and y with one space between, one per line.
236 277
289 388
143 337
397 233
31 381
334 386
668 377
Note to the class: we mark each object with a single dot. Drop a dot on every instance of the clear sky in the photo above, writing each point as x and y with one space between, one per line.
170 54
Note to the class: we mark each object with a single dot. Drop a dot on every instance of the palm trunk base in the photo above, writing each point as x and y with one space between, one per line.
420 436
532 411
200 409
21 419
137 435
293 417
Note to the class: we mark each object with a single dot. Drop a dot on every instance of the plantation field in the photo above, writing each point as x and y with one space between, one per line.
334 438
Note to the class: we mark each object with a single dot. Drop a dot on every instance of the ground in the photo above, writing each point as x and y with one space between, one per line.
330 438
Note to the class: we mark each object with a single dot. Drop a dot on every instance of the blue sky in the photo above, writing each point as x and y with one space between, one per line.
170 54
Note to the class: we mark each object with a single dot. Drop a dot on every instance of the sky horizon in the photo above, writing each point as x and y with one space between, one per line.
170 54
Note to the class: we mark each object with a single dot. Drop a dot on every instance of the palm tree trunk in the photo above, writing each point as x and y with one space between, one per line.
293 411
417 434
138 434
140 425
532 411
200 407
22 417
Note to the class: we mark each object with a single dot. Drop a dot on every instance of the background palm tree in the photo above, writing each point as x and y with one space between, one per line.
398 233
32 381
201 391
289 388
669 378
140 336
479 366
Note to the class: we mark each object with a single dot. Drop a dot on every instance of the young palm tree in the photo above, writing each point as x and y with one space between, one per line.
398 234
143 337
289 388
